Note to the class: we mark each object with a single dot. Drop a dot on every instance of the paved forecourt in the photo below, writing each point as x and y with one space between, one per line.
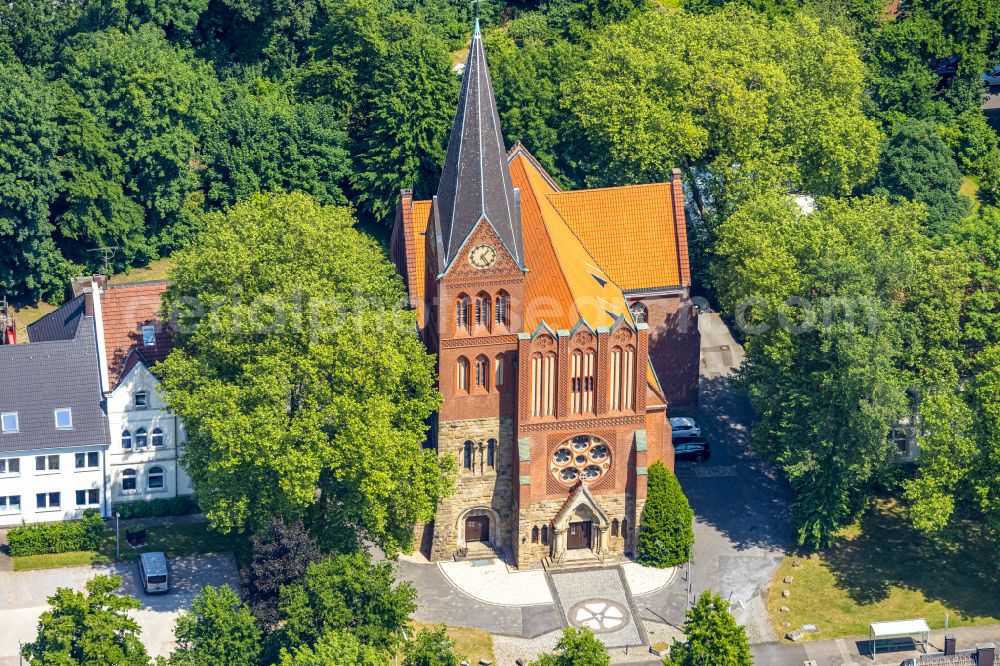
599 599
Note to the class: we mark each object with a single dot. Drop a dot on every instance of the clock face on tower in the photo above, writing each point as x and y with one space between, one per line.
483 255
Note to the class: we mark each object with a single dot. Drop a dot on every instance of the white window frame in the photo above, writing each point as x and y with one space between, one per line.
3 422
48 501
86 466
6 462
134 476
149 335
145 400
47 468
86 497
163 479
63 410
7 506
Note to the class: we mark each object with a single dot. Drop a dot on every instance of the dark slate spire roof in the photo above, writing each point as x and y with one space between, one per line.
475 182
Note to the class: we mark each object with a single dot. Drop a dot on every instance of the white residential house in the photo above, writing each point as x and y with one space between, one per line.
53 428
146 439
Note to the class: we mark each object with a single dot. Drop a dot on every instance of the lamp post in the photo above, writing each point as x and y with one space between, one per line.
118 549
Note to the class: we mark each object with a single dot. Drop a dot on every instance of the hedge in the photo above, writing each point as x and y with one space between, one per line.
157 508
46 538
666 533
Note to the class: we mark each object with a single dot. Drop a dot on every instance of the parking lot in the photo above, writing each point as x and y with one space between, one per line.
23 598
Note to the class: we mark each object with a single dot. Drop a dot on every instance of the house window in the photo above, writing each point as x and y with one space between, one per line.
462 374
129 481
639 313
141 400
157 437
534 534
901 439
154 478
491 453
8 422
47 500
482 372
467 455
87 497
64 418
614 527
10 465
126 439
502 304
149 335
90 459
498 372
545 535
47 463
10 504
140 438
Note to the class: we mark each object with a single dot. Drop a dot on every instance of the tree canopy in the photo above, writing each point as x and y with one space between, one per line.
711 636
217 629
300 378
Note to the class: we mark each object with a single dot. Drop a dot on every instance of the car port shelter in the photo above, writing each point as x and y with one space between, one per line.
884 633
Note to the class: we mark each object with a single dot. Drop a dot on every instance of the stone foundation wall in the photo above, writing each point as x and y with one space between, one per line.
481 487
617 506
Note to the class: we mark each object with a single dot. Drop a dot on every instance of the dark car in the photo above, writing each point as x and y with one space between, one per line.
692 448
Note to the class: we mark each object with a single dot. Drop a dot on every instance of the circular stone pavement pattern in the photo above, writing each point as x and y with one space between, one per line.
598 615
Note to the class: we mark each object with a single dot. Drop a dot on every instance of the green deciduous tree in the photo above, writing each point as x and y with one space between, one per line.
300 378
712 636
849 312
30 263
347 592
334 647
576 647
91 628
281 554
218 629
749 102
430 648
666 532
918 165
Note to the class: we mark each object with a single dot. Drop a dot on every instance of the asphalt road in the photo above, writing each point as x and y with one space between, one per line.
23 596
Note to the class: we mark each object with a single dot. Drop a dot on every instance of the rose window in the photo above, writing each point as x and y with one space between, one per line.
580 458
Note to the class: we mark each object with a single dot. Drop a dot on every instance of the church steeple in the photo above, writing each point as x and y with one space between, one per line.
475 182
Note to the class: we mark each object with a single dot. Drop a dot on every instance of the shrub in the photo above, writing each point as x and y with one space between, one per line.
665 533
157 508
47 538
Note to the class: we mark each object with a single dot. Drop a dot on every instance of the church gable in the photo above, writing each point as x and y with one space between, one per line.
483 256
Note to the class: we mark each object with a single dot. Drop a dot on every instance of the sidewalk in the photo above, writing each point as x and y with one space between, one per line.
854 650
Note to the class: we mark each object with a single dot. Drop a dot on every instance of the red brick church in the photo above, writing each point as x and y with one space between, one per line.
563 329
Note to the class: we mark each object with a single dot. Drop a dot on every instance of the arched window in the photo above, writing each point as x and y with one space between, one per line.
483 310
628 378
615 380
543 381
462 307
467 455
624 528
462 374
483 373
140 438
582 372
498 372
614 527
640 313
157 437
129 481
534 534
491 453
545 535
154 478
501 307
126 439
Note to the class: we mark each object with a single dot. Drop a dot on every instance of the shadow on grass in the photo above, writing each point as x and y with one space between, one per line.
884 551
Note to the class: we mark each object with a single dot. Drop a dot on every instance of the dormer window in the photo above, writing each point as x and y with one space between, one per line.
8 422
64 418
149 335
140 400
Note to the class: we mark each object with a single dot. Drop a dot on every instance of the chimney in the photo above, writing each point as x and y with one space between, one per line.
102 353
986 654
949 645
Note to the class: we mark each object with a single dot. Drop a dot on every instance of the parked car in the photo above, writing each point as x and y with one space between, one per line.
992 78
684 426
692 448
153 573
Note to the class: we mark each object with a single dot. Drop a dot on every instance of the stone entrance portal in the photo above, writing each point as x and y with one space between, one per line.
477 528
578 536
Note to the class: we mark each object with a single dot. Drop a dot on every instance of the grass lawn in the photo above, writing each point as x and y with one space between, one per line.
471 644
157 270
70 559
174 541
970 188
882 569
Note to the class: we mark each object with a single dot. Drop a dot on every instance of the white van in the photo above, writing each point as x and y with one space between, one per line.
153 573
